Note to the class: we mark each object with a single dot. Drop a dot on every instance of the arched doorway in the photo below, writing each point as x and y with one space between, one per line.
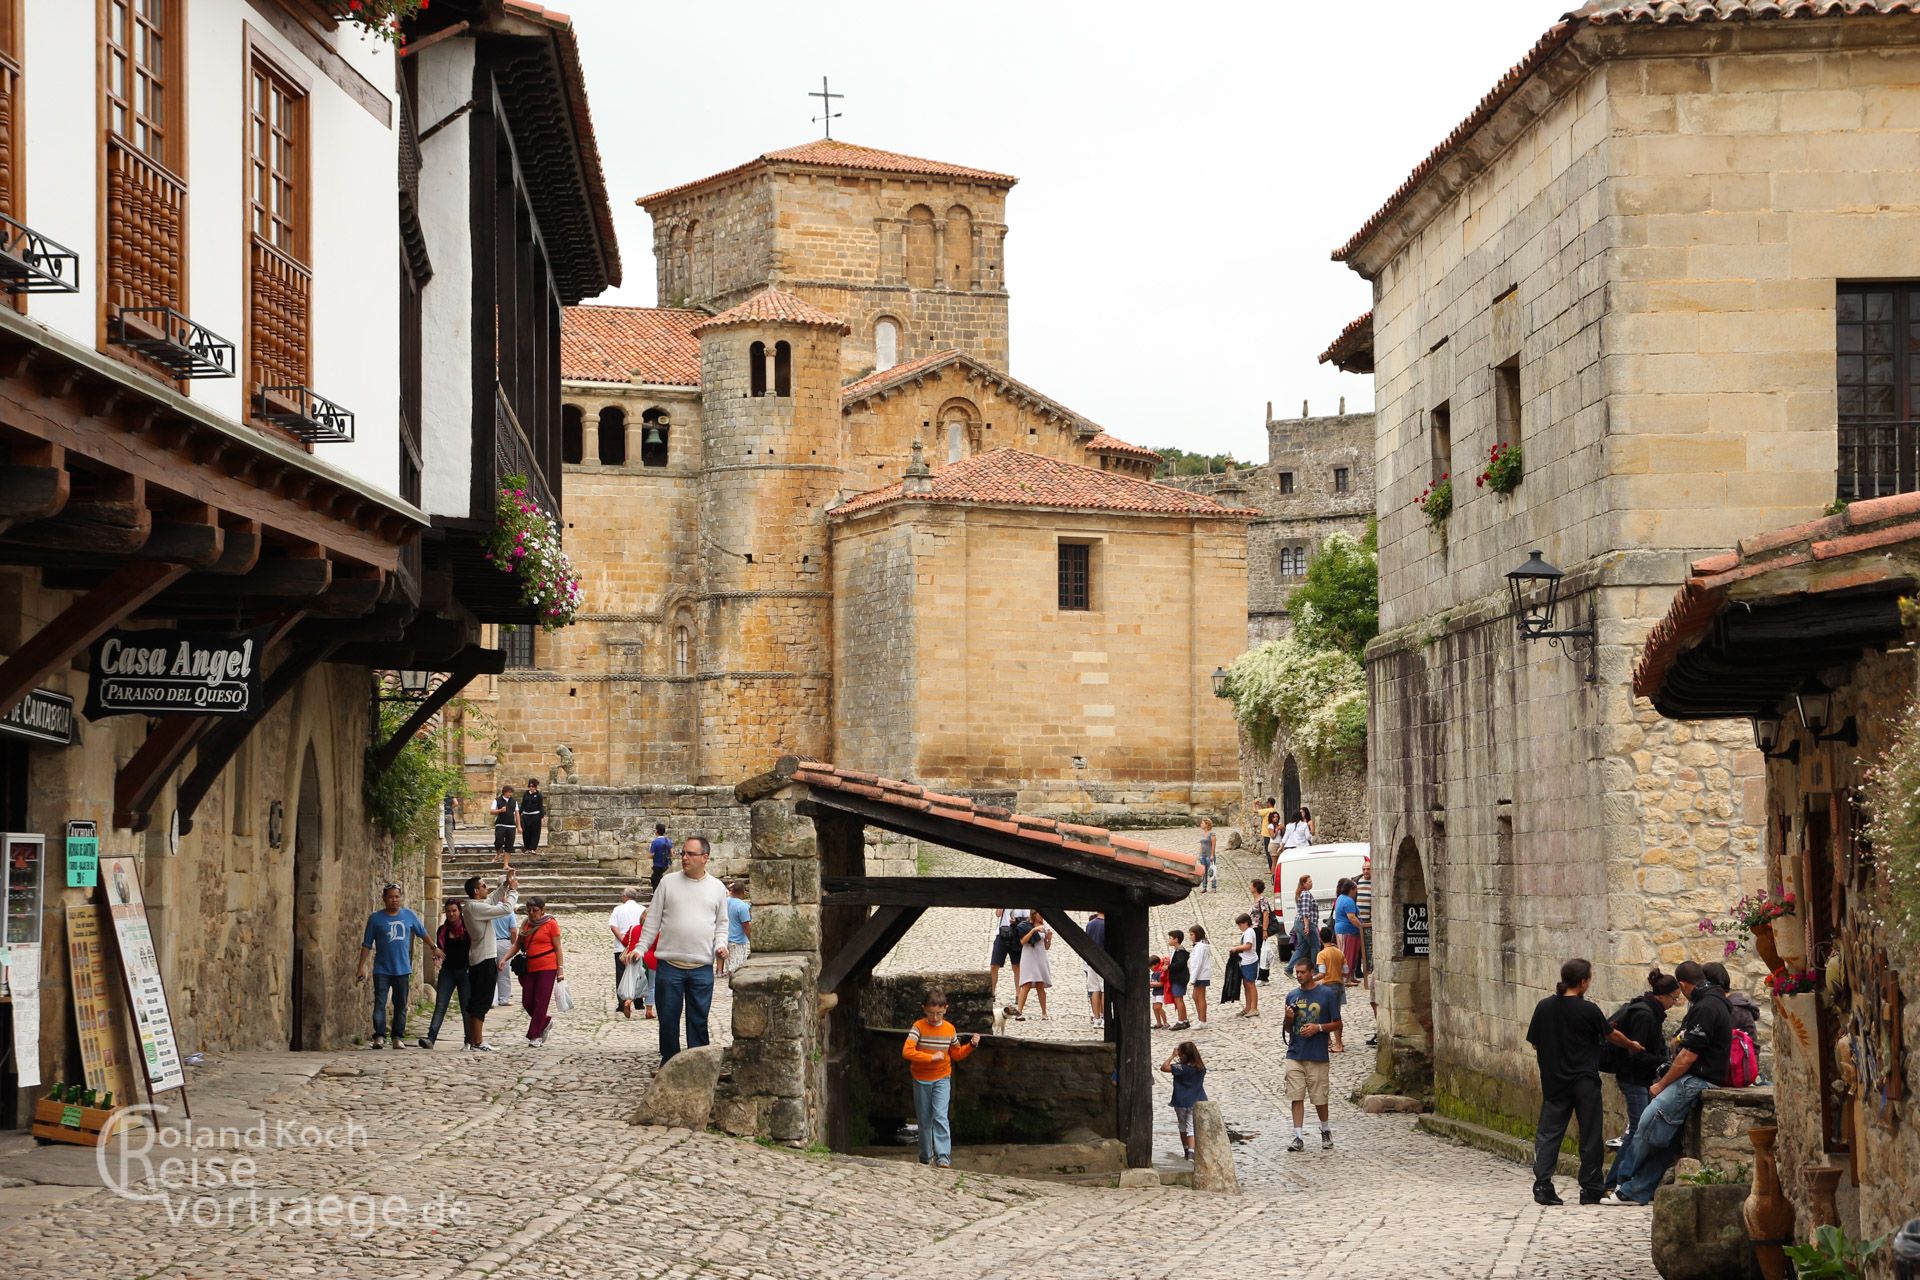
1290 787
1406 1003
307 994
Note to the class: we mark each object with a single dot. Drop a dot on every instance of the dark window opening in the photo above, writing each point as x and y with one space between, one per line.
1286 482
613 436
573 445
757 369
1441 421
516 643
1076 576
655 431
782 369
1877 372
1342 480
1506 402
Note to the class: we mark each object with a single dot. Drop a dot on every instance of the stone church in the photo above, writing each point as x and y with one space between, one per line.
815 514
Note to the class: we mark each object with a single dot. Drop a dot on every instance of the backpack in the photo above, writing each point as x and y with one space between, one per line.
1614 1058
1743 1061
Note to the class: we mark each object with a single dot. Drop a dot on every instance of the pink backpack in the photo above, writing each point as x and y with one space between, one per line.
1743 1061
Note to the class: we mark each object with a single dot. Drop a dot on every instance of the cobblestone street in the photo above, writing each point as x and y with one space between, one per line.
535 1146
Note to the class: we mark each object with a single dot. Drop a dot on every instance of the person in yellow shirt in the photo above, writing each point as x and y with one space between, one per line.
932 1047
1333 969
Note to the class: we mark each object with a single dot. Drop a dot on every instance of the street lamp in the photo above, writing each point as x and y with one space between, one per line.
1535 621
1766 736
415 681
1815 704
1219 682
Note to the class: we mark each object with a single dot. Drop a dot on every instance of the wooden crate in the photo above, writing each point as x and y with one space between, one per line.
93 1123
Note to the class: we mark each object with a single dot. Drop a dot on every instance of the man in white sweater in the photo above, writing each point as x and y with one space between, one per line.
483 949
688 919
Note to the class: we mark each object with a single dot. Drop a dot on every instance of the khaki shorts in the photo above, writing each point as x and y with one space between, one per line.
1306 1082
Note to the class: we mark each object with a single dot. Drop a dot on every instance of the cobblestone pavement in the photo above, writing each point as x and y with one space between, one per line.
532 1147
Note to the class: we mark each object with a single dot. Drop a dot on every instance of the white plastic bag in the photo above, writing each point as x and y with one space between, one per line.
633 981
1270 953
562 998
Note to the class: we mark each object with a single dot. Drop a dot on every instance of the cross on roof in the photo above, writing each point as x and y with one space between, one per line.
829 115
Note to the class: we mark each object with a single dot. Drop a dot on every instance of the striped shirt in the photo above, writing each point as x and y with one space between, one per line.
924 1041
1363 900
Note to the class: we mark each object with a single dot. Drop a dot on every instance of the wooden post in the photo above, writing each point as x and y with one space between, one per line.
1128 1029
842 842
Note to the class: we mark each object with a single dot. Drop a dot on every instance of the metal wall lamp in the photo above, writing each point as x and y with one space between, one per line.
1815 704
1219 682
1766 736
1536 621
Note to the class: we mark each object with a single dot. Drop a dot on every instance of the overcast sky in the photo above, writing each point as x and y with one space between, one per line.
1185 169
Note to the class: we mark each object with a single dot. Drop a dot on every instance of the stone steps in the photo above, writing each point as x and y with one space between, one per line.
567 883
1493 1142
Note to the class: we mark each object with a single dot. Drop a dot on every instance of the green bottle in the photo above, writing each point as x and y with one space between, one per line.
89 1098
55 1094
106 1100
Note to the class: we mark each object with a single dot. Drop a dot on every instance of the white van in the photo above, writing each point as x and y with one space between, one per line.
1328 864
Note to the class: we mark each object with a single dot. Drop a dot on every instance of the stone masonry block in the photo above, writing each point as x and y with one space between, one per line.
786 929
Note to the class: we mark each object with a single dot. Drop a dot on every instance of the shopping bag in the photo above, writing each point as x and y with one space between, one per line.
562 998
633 981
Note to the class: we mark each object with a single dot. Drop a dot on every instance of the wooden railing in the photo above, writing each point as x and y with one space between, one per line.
1878 459
146 231
513 455
279 327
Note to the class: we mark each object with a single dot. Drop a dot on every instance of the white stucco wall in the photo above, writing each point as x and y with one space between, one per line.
445 85
355 235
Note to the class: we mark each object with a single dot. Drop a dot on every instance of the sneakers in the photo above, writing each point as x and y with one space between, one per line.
1326 1139
425 1043
375 1043
1200 1025
1180 1026
398 1043
1298 1144
484 1047
1614 1144
1615 1198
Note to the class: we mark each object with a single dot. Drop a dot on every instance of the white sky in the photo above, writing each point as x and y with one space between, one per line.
1185 169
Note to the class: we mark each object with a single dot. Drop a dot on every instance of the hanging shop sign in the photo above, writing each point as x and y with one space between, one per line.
41 716
1414 924
157 672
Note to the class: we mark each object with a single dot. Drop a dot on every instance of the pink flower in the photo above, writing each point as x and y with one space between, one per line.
1732 946
1706 926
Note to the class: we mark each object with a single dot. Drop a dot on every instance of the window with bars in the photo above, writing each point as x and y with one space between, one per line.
683 650
280 277
1293 560
144 141
1286 482
516 644
1076 576
1342 480
1877 376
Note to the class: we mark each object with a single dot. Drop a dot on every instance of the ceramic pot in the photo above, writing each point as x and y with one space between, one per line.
1764 945
1767 1212
1822 1182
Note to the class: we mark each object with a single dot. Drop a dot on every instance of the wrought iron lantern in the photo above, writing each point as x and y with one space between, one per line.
1219 682
1766 737
1814 700
415 681
1535 588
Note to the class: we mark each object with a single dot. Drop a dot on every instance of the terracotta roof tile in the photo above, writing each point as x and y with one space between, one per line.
1608 13
774 306
630 344
906 369
1012 477
887 381
832 153
1095 843
1352 351
1104 443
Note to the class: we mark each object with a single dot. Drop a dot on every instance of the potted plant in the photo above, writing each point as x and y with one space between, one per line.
1789 982
1832 1255
1436 502
382 18
526 543
1753 917
1504 469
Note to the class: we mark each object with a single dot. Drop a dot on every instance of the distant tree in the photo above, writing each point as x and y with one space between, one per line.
1338 607
1178 462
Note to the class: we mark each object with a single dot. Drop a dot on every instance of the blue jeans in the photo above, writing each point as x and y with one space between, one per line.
450 983
397 984
1623 1163
930 1099
677 988
1656 1138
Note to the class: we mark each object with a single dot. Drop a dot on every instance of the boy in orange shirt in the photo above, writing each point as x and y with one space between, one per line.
932 1047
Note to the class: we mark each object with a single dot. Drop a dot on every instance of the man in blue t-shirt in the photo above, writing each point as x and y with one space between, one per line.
662 850
387 946
739 926
1313 1015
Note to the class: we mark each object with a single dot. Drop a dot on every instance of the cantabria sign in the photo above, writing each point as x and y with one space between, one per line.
196 673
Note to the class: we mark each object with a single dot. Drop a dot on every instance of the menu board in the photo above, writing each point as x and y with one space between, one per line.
140 964
97 1007
20 910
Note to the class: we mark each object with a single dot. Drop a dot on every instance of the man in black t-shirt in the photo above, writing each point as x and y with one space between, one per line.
1706 1043
1566 1033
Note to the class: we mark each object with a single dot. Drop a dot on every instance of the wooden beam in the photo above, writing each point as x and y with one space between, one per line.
274 578
870 943
36 485
194 539
1127 1027
241 549
80 624
105 517
472 661
1076 937
221 742
968 891
1034 855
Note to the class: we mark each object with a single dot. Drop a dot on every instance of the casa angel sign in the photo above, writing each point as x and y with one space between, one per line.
187 672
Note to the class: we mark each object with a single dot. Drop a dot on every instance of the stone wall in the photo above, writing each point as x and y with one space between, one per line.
614 825
1007 1090
1336 792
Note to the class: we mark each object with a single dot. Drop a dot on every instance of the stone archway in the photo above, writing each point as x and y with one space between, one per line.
1403 936
1290 787
307 997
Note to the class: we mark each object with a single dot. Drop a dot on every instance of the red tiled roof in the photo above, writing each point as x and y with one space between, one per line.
1098 843
896 373
1104 443
630 344
831 153
569 46
1012 477
1608 13
1353 349
774 306
1865 526
888 380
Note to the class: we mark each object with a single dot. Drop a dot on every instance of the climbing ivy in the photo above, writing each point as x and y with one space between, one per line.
404 801
1318 695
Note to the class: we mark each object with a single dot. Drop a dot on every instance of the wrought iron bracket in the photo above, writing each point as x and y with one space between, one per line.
304 412
31 263
174 342
1568 642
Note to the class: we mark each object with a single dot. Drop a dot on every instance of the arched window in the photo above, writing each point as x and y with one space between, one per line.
958 268
690 276
959 428
886 344
683 650
757 369
655 431
613 436
782 369
956 440
920 265
572 433
674 264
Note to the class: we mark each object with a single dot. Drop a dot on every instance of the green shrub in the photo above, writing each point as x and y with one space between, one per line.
404 801
1342 591
1318 695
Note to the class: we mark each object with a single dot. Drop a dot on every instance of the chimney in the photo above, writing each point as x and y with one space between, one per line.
1343 406
918 477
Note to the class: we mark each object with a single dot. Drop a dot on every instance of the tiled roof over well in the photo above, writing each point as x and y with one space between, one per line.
630 344
1610 13
774 306
1097 843
831 153
1012 477
1104 443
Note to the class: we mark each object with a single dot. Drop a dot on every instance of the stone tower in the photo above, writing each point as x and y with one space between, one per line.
910 251
770 464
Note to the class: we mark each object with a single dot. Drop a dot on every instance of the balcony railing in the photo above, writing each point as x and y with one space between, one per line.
513 455
1878 459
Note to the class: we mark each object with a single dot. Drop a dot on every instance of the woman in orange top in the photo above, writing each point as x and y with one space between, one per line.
539 942
932 1047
